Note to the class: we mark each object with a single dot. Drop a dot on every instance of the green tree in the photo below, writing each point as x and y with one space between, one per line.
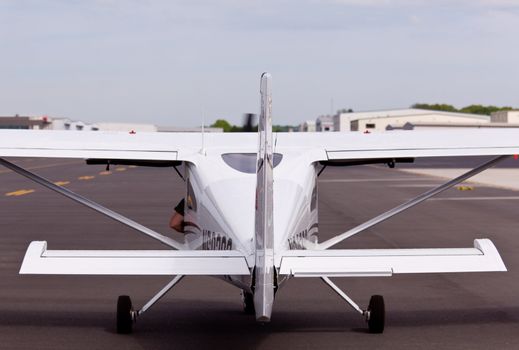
224 124
472 109
435 107
283 128
484 110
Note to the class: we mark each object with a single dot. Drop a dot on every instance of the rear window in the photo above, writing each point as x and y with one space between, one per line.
246 162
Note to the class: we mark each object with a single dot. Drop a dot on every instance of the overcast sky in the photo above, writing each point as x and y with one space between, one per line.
169 63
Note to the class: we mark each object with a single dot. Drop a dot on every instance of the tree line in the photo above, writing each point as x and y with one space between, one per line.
228 127
472 109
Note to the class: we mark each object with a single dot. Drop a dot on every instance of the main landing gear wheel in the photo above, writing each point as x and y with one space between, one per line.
248 302
376 314
124 315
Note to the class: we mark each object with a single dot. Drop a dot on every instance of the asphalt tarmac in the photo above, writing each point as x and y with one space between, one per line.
442 311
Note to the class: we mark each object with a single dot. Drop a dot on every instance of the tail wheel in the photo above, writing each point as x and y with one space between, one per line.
124 315
248 302
377 314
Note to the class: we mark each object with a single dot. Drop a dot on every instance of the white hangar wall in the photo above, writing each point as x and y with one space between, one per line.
380 120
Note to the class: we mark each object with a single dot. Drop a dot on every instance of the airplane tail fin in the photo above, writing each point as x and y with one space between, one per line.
264 226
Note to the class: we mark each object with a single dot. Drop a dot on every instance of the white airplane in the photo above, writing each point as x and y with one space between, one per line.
251 207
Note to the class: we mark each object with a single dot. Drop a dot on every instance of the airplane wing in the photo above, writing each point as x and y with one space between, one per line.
323 146
117 145
403 144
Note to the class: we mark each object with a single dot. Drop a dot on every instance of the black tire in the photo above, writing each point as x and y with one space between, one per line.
377 314
124 315
248 302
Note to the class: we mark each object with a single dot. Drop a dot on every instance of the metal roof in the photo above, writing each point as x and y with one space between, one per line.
408 112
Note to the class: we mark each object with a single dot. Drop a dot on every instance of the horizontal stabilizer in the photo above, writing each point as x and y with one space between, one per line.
39 260
483 257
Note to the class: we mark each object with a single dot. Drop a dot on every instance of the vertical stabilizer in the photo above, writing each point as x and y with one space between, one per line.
264 228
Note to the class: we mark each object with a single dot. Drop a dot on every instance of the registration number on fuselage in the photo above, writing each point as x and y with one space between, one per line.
215 241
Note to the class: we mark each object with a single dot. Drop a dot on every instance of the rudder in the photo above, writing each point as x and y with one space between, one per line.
264 226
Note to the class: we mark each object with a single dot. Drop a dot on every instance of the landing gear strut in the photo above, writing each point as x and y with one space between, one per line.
375 314
126 316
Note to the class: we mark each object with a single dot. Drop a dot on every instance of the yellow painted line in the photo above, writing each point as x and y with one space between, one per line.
18 193
105 173
84 178
61 183
120 169
132 166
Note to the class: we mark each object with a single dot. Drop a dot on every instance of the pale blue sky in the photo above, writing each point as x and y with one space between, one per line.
165 62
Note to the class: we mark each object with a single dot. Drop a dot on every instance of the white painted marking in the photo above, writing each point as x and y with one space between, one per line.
495 198
376 180
417 185
497 177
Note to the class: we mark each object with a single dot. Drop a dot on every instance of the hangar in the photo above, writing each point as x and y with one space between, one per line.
396 119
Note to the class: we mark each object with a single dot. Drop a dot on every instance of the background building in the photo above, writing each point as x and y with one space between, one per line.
186 129
396 119
24 122
324 123
308 126
48 123
509 117
68 124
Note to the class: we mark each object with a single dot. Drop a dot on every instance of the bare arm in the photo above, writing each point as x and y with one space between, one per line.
177 222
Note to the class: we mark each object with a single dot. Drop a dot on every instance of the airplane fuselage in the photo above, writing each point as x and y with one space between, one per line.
220 203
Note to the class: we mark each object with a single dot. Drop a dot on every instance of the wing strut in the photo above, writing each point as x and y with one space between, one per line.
93 205
409 204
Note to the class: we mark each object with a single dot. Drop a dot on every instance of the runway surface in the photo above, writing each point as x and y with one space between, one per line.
443 311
